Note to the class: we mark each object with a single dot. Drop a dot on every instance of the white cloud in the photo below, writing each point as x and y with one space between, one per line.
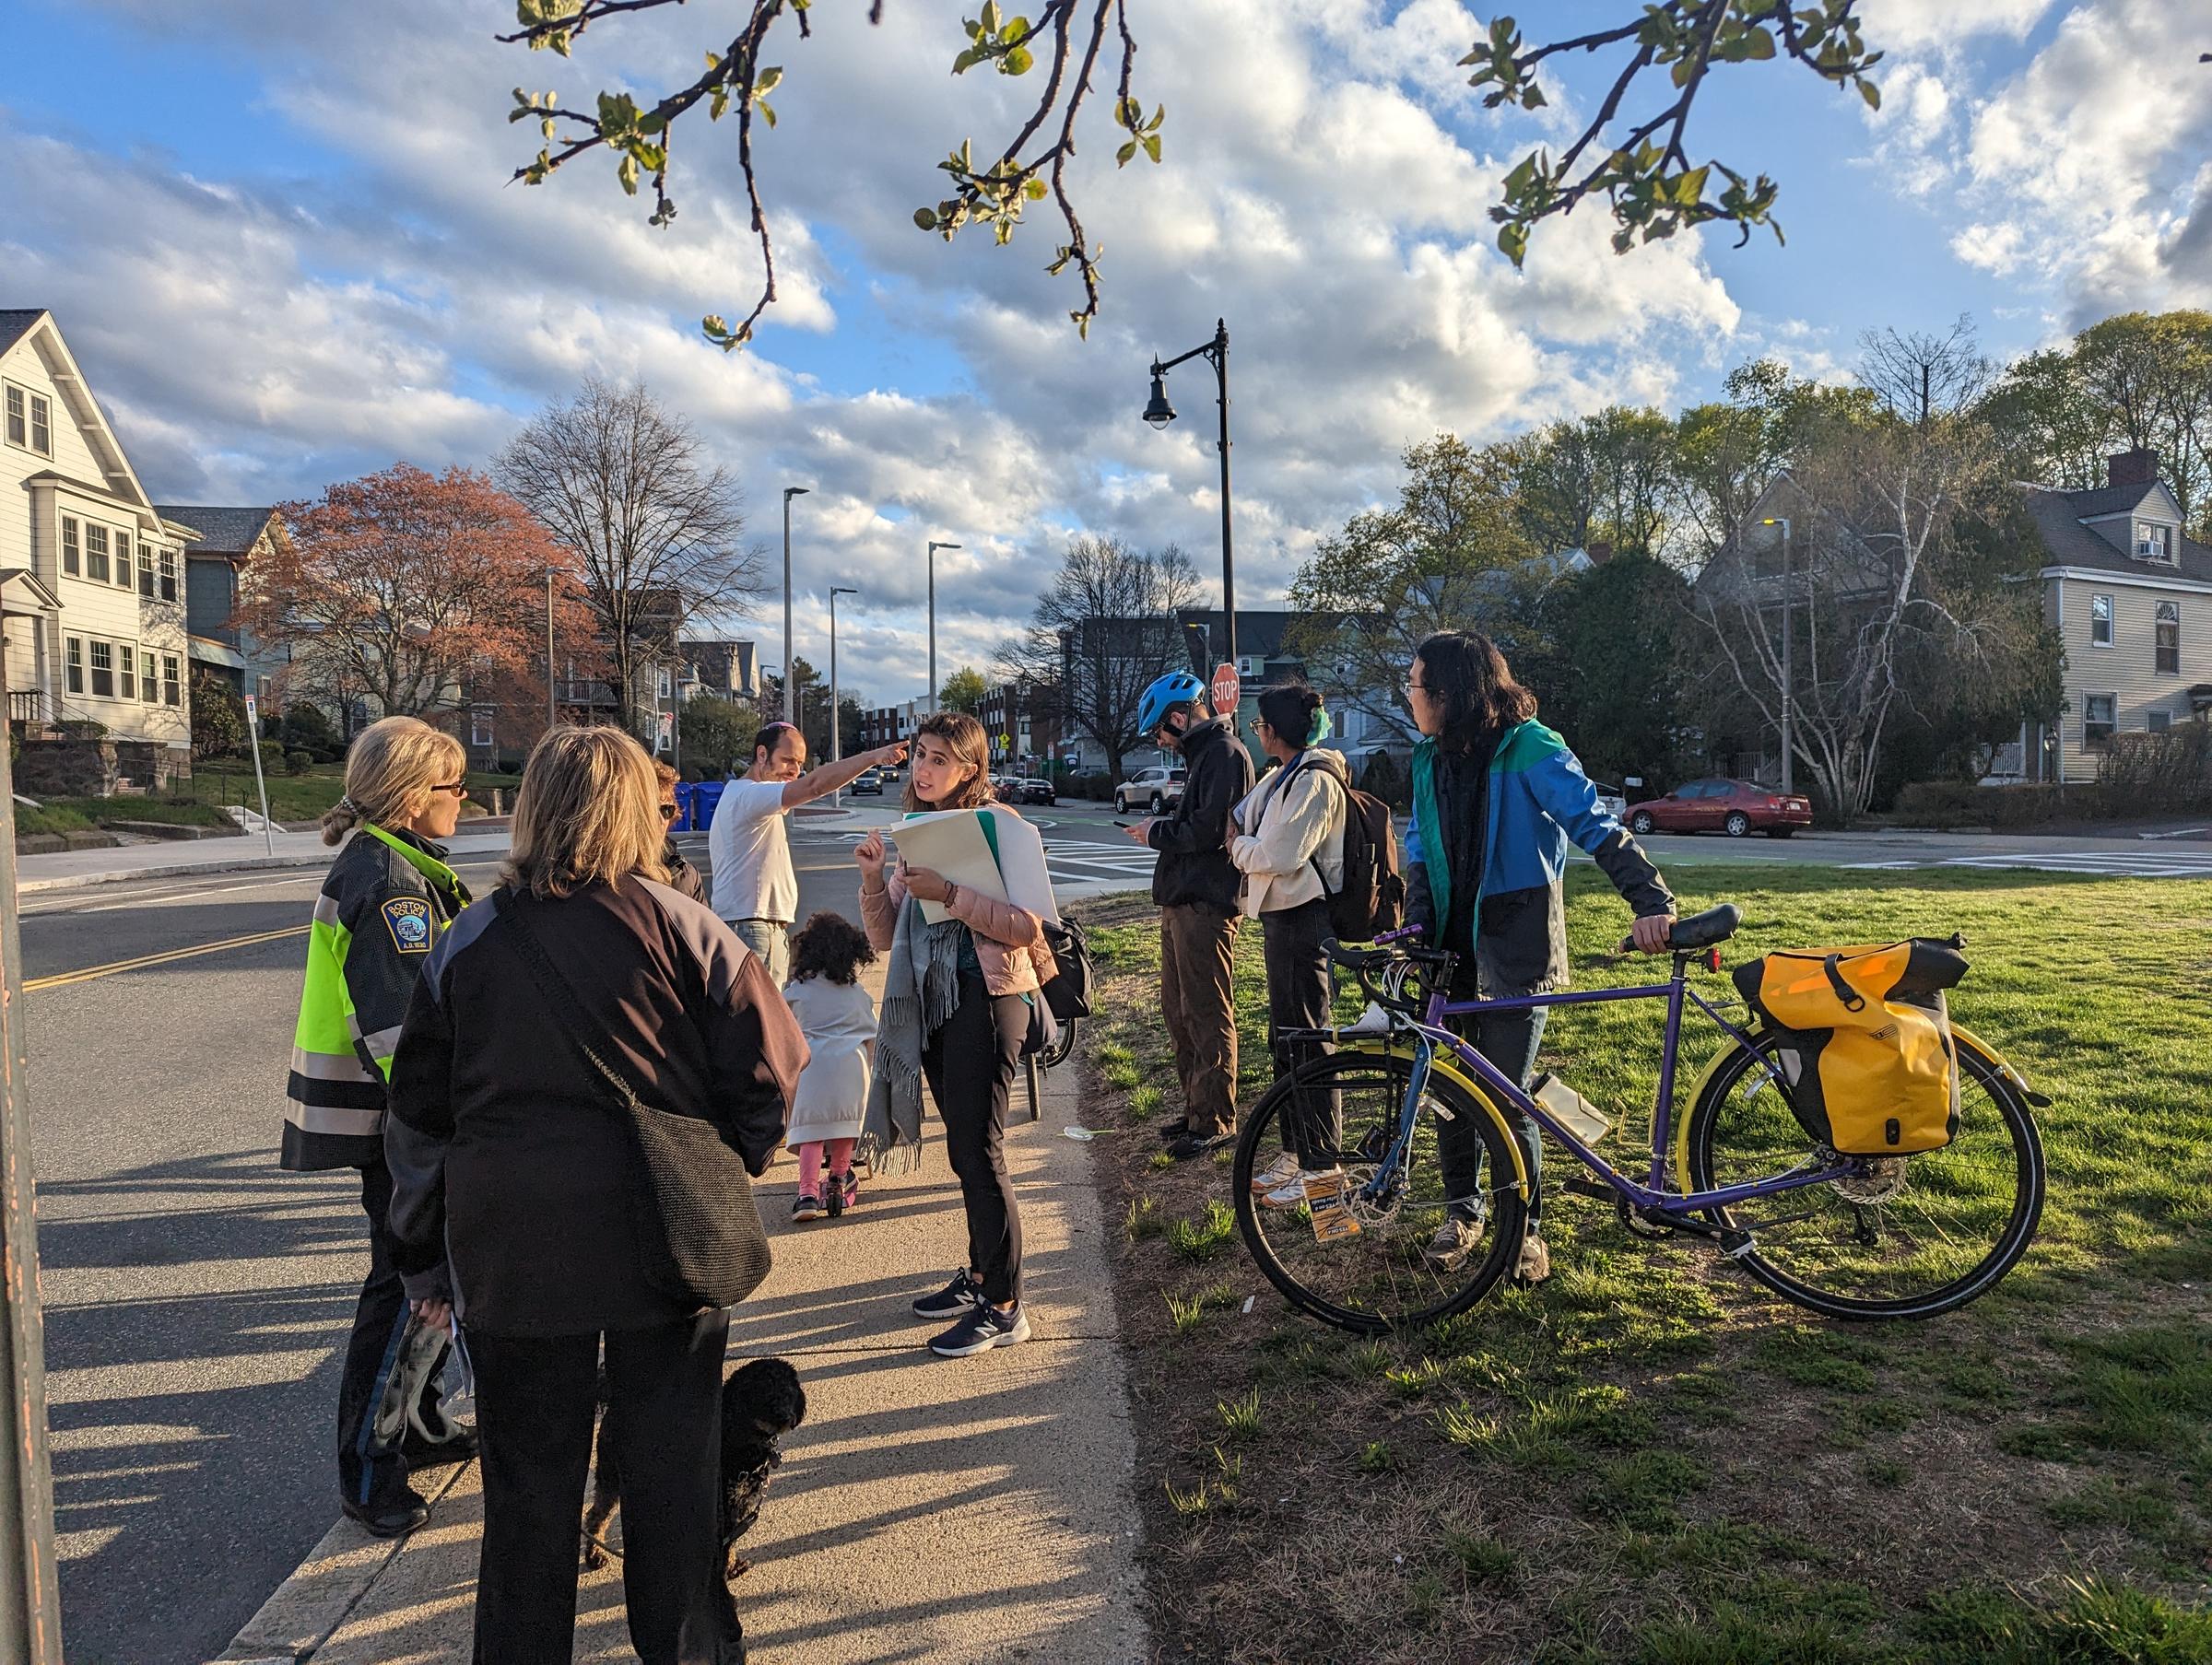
258 342
1938 25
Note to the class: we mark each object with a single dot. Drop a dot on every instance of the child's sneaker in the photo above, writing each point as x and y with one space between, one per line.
807 1206
843 1194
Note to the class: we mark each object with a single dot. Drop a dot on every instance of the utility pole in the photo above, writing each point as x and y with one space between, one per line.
789 492
1788 683
31 1618
933 548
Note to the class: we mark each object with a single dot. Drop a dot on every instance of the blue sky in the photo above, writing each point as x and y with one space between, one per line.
278 237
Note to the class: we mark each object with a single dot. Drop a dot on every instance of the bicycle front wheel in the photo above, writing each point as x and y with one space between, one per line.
1382 1276
1063 1043
1914 1236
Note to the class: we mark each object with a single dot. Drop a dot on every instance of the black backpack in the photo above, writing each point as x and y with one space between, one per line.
1372 897
1069 994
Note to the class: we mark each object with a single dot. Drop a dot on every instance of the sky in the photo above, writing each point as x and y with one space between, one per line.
280 239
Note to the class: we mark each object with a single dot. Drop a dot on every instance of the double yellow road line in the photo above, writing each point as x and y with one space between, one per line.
89 972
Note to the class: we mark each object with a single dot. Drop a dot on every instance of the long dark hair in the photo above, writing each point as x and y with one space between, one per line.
1466 670
1287 708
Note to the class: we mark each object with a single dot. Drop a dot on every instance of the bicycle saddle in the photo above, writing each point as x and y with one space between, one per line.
1703 929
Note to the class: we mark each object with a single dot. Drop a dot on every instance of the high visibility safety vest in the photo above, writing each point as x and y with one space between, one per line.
386 902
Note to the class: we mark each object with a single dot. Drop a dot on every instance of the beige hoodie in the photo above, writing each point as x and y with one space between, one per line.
1293 818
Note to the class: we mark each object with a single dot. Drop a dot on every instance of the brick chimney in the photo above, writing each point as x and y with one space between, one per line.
1599 551
2137 467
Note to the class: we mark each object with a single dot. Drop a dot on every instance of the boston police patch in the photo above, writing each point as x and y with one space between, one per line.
409 919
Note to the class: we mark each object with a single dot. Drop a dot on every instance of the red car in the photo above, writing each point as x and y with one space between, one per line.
1735 807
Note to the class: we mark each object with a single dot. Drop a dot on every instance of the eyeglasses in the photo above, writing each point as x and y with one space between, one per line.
1416 687
458 788
667 812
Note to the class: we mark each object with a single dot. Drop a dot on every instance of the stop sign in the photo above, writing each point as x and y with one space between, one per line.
1226 690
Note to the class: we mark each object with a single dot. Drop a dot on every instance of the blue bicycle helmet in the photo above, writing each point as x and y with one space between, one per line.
1177 687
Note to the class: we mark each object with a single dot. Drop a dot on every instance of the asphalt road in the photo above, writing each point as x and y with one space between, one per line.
196 1296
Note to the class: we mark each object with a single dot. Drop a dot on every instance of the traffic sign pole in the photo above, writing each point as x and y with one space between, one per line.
269 828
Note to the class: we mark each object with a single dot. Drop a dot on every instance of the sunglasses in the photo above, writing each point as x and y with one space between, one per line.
458 788
667 812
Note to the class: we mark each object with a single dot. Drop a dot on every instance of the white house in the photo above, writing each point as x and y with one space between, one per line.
91 576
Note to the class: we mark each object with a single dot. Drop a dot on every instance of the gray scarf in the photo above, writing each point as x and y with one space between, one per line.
921 991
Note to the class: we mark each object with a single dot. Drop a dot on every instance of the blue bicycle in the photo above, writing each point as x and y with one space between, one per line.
1851 1236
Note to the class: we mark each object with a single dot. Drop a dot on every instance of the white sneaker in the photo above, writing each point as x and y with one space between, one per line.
1281 1172
1535 1260
1291 1193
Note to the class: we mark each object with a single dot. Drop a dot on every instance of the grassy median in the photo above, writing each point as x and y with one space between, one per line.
1648 1458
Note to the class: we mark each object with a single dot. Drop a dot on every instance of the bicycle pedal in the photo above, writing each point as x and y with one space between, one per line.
1583 1186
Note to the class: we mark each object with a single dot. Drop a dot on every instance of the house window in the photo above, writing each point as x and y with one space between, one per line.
41 428
74 677
480 726
150 685
123 561
2157 722
169 575
2166 638
104 670
172 691
126 665
2100 621
145 570
18 427
2154 542
96 551
71 560
2097 721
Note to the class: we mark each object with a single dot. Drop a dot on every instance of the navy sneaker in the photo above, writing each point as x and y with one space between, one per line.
951 1301
1197 1144
983 1328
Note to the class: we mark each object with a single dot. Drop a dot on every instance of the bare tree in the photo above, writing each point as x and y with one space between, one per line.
1104 632
1889 567
657 532
1922 377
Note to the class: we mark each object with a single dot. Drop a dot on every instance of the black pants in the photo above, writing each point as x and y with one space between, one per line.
369 1474
969 1066
1298 998
535 1400
1509 1041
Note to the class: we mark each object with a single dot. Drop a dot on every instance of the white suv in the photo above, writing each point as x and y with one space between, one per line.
1157 789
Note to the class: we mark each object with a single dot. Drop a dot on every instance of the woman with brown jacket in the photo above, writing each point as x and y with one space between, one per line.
959 997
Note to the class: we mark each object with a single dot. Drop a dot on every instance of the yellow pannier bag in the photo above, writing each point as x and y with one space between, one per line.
1866 1046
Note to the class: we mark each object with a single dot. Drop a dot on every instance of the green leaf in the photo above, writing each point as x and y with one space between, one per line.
1761 45
1512 242
628 174
966 62
1534 98
1034 189
927 218
768 80
767 110
1014 31
1122 156
988 22
1017 62
1870 92
1690 187
1151 143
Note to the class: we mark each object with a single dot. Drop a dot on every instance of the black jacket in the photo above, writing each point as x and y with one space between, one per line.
508 1159
682 875
1194 868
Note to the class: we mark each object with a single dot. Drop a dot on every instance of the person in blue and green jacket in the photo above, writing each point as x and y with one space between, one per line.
388 897
1496 797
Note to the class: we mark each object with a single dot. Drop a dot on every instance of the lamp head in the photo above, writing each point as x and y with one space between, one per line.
1157 411
842 589
796 491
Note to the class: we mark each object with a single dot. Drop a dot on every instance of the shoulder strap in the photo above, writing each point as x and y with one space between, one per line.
1313 861
555 991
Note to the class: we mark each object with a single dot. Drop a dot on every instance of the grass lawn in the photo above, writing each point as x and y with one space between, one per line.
299 797
1649 1459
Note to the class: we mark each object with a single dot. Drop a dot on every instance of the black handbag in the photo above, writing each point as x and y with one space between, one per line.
1068 995
691 1202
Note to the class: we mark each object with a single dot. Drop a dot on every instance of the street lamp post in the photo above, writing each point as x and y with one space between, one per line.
1788 684
837 739
789 492
549 706
933 548
1160 413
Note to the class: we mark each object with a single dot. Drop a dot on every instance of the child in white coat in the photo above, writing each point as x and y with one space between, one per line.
838 1021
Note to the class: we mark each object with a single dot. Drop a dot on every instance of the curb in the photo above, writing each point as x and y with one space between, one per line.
306 1610
81 881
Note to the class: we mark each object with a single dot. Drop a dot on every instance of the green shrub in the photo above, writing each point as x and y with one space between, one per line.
297 762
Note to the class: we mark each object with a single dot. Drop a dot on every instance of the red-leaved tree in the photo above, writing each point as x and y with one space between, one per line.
411 591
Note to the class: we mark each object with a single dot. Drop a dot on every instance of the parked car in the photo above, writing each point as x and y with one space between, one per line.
867 781
1611 799
1030 789
1157 789
1735 807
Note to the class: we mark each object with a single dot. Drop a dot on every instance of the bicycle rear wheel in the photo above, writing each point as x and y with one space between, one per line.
1379 1278
1917 1235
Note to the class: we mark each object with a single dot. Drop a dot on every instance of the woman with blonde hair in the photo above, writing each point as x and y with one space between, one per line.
567 1033
387 897
958 1000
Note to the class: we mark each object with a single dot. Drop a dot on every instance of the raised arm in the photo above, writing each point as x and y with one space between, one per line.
821 783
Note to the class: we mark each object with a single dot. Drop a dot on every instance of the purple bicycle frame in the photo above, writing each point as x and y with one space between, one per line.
1509 1094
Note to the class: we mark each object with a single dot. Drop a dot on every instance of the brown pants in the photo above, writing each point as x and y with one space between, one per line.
1194 992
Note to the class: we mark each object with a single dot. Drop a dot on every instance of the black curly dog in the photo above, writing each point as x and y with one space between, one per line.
760 1404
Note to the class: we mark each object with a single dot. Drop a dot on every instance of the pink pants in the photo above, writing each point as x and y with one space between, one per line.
811 1162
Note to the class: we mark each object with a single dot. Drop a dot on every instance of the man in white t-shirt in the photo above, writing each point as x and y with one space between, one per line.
755 889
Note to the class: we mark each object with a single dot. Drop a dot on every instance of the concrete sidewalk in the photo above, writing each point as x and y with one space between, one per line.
929 1509
72 869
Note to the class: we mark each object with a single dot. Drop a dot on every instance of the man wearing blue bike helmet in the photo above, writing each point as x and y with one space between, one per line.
1196 887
